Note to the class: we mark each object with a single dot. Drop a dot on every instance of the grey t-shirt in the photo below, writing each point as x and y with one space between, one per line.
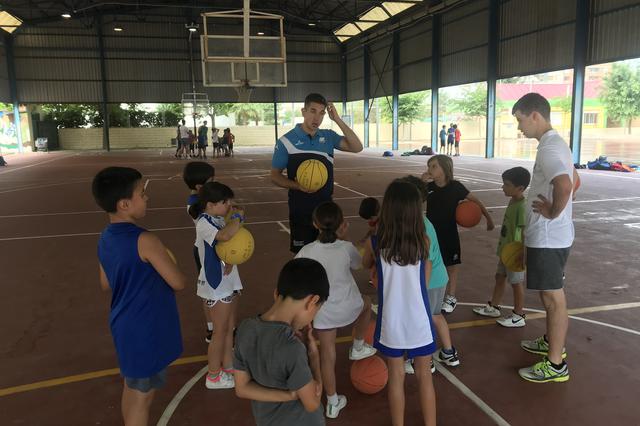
275 358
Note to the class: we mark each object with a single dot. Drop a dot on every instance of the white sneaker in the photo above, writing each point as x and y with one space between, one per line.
513 320
365 352
332 411
221 381
408 367
488 310
374 309
433 366
449 304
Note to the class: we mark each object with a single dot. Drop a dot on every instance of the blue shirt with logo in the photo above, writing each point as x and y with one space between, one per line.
297 146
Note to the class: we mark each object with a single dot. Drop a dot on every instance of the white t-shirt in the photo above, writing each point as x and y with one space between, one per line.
184 131
205 239
345 301
552 159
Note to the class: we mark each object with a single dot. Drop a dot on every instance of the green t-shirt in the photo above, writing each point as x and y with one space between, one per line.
439 277
513 224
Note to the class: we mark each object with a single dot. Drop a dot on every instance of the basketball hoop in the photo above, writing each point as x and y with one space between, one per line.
244 92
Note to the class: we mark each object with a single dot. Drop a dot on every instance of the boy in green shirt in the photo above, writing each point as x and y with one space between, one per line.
515 181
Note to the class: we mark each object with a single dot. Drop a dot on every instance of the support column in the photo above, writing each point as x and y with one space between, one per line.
343 79
492 75
103 84
367 88
436 35
275 112
395 89
13 87
579 65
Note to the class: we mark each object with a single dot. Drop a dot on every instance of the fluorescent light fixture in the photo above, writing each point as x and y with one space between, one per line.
117 29
193 30
312 24
66 15
8 22
260 33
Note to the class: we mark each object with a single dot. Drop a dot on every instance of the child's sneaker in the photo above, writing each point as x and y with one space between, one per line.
543 372
488 310
219 381
332 411
408 367
539 346
513 320
208 336
365 352
449 304
433 366
449 359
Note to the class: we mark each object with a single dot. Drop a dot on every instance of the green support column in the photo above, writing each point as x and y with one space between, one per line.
579 65
435 79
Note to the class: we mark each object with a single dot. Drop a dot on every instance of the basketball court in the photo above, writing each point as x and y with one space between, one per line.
57 359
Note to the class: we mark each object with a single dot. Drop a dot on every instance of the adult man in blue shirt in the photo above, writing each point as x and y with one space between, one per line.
305 142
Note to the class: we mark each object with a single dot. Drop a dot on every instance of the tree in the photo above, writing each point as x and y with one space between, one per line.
473 102
70 115
169 115
247 112
621 94
411 107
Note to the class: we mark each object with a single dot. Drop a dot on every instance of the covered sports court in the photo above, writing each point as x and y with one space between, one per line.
58 361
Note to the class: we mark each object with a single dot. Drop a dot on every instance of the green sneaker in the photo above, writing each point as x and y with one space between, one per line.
539 346
543 372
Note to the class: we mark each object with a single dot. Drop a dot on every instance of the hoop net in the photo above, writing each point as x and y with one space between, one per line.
244 92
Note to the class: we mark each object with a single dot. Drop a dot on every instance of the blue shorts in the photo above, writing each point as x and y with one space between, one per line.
147 384
410 353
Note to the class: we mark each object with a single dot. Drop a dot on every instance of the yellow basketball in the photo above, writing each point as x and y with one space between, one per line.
512 256
312 175
238 249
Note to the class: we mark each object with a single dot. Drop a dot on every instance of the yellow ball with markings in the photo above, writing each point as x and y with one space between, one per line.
238 249
512 255
312 175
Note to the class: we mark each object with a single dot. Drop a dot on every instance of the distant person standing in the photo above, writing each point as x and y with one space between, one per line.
456 138
451 136
215 141
183 140
202 140
443 138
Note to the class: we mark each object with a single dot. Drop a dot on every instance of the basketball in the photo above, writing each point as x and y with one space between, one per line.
238 249
312 175
468 214
512 255
172 256
369 375
368 335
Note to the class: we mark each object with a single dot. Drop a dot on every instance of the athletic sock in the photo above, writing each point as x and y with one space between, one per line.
358 344
557 367
449 351
210 326
332 399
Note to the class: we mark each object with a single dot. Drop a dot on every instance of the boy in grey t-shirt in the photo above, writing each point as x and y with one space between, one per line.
276 356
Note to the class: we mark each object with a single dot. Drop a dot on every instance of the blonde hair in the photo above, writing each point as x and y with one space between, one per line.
445 163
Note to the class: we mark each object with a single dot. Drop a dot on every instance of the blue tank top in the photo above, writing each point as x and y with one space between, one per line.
144 316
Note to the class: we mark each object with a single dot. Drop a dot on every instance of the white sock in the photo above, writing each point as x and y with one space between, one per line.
332 399
358 344
210 326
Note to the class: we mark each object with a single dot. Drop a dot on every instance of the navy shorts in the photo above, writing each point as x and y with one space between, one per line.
410 353
147 384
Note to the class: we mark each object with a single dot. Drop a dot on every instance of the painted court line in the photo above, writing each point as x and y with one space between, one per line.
349 189
171 408
284 228
11 170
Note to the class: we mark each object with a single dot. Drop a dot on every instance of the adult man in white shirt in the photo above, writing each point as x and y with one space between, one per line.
548 235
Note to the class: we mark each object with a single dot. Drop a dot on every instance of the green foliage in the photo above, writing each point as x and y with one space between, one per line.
564 104
621 93
473 102
6 107
70 115
168 115
411 107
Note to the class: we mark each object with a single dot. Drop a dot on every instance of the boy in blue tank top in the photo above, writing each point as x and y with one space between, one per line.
137 268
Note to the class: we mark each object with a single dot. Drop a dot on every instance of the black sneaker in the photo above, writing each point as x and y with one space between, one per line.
208 336
449 359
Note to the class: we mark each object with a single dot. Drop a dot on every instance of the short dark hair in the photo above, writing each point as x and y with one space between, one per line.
211 192
303 277
197 173
315 98
113 184
519 176
369 207
419 184
533 102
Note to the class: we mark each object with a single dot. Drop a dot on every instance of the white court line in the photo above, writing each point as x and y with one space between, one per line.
284 228
349 189
4 172
472 178
472 396
171 408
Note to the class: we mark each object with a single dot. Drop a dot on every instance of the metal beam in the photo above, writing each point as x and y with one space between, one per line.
395 88
579 64
367 89
103 84
343 78
13 87
436 35
492 75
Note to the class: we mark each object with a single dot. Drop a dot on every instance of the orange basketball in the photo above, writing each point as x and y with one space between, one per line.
468 214
512 255
369 375
368 335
